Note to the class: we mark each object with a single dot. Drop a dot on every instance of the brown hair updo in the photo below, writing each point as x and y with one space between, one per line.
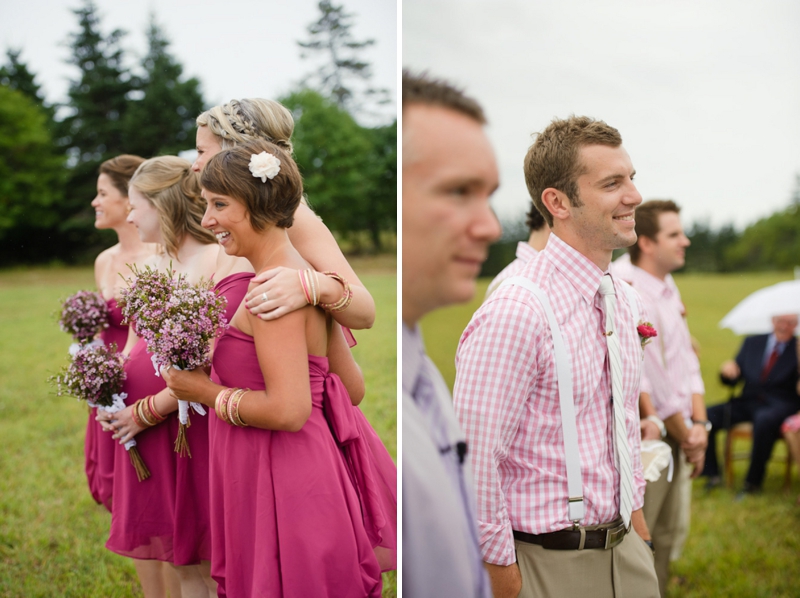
120 170
272 202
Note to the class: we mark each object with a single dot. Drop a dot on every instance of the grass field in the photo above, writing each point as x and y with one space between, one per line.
52 534
735 549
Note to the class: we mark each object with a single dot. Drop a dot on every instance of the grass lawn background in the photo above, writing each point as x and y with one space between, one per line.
735 549
52 534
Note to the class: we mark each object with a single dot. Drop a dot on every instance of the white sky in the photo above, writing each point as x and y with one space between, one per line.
237 48
705 94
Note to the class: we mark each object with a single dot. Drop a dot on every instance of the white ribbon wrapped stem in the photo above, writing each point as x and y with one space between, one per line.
183 406
119 405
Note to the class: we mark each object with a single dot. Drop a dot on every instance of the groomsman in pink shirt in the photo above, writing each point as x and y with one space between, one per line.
673 374
547 387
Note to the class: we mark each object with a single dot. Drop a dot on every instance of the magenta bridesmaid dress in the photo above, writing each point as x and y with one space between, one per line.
165 517
296 514
98 449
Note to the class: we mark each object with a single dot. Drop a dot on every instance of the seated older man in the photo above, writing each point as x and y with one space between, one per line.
768 365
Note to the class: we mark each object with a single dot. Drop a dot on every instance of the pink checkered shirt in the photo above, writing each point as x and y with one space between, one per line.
524 254
671 366
506 397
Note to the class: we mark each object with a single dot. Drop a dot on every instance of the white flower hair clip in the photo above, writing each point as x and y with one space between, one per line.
264 166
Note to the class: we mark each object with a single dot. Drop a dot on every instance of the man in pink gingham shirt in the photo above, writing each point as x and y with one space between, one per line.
506 391
672 368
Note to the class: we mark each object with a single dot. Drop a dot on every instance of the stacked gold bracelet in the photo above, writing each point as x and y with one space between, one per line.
144 413
226 406
310 285
347 296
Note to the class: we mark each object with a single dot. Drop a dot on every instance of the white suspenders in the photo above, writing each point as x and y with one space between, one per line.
577 508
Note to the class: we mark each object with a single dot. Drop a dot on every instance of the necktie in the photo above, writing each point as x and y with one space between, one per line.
773 357
618 401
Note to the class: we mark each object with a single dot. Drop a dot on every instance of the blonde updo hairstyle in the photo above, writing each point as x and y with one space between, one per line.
273 202
240 121
174 190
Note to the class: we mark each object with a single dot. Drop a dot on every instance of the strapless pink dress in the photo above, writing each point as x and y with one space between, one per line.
98 449
165 517
309 513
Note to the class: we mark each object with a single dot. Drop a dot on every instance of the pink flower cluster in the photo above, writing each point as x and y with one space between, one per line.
83 315
177 320
95 374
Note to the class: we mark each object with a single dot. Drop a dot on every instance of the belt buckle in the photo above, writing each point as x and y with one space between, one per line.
615 535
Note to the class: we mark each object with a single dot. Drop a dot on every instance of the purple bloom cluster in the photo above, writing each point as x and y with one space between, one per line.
95 374
83 315
177 320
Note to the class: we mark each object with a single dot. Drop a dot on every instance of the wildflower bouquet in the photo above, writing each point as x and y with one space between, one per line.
177 321
95 375
83 315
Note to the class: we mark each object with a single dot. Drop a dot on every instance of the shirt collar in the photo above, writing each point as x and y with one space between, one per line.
578 269
651 285
413 355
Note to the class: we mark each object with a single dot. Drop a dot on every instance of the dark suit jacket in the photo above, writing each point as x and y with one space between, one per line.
782 380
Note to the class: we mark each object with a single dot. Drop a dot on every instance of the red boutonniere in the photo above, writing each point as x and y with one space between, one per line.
646 332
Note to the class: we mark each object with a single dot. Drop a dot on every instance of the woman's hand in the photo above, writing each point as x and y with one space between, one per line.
191 385
283 291
120 423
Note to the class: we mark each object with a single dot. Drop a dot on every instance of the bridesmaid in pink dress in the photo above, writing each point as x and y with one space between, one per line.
111 210
242 121
297 507
165 518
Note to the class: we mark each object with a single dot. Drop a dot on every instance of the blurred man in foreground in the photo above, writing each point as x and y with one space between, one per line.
449 174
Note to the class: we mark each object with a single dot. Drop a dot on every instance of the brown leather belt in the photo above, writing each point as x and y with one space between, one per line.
569 539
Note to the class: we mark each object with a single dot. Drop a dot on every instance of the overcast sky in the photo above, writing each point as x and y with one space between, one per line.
705 94
237 48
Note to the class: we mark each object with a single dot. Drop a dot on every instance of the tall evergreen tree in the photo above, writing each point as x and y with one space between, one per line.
163 120
93 129
15 74
343 76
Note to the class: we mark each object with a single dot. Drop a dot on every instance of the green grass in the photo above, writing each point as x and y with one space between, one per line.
52 535
735 549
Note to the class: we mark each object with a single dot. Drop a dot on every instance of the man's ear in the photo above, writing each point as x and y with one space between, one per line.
646 245
557 203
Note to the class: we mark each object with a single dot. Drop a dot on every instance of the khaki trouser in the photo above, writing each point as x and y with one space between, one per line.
664 507
625 571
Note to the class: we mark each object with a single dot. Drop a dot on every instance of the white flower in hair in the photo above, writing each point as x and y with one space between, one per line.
264 166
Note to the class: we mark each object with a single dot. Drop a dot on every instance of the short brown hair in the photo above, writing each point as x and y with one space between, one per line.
272 202
170 185
534 219
554 158
647 216
423 89
120 170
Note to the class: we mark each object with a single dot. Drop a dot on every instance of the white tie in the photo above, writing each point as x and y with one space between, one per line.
618 400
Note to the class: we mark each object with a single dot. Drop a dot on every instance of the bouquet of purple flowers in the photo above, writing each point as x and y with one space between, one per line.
83 315
177 321
95 375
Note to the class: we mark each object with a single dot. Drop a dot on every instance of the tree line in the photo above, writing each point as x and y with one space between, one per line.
50 152
770 243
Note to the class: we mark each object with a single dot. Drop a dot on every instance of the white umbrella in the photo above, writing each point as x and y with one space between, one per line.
754 313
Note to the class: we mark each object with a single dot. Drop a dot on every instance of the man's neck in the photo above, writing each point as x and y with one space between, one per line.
650 267
599 257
